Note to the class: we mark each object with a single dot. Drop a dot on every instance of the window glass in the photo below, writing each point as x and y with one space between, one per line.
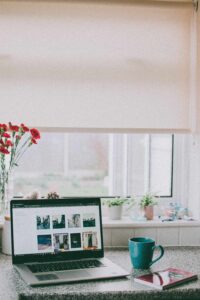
138 163
70 164
161 164
83 164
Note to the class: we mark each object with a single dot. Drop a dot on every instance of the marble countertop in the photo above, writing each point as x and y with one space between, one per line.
188 258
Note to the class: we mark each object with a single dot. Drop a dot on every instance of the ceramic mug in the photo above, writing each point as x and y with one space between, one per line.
141 251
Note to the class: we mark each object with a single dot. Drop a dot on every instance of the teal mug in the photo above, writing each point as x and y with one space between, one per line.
141 251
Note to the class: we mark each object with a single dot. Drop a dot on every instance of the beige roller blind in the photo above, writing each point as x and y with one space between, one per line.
96 65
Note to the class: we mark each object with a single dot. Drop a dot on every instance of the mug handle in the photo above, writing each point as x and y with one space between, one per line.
161 253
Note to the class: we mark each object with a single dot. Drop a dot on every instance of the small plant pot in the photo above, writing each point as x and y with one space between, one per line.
148 212
115 212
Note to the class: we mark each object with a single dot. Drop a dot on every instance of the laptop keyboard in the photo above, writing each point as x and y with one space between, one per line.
61 266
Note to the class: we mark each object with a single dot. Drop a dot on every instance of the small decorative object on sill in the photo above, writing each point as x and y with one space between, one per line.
175 211
52 195
33 195
14 142
115 206
147 203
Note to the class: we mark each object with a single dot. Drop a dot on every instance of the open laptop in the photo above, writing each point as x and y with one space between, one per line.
61 240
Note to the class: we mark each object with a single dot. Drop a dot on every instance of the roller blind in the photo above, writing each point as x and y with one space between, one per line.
95 65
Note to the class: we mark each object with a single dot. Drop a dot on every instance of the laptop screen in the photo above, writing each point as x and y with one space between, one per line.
56 229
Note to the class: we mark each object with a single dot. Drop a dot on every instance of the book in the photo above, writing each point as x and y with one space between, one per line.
165 279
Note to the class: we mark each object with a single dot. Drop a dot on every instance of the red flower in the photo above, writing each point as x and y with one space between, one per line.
9 143
4 150
33 141
6 135
24 128
2 143
35 133
14 128
14 141
4 127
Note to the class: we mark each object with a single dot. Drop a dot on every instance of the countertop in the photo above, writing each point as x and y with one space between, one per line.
188 258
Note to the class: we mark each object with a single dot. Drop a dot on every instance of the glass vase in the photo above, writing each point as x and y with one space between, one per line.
6 194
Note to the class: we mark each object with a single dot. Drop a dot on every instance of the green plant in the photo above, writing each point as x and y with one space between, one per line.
118 201
147 200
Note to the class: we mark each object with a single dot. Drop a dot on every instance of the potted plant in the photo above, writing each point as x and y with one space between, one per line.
115 206
147 203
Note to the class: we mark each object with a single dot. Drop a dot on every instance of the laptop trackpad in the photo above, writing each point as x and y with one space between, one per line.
73 274
63 275
45 277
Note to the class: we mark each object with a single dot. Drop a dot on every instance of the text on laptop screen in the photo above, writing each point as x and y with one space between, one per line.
56 229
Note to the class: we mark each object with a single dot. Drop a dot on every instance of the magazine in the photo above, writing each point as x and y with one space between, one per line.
165 279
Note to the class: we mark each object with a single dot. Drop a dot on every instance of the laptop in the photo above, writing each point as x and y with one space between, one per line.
59 240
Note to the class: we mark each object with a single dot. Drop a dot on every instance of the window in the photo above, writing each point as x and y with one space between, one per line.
83 164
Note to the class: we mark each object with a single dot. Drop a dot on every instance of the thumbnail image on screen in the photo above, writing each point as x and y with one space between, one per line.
89 220
61 242
74 221
75 240
58 221
43 222
90 241
44 242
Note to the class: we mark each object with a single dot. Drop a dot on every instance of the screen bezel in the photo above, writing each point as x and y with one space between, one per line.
72 255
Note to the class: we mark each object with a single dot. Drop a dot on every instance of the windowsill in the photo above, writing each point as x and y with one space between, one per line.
126 222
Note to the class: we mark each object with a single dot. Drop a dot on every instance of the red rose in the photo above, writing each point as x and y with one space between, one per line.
6 135
18 137
4 150
35 133
33 141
